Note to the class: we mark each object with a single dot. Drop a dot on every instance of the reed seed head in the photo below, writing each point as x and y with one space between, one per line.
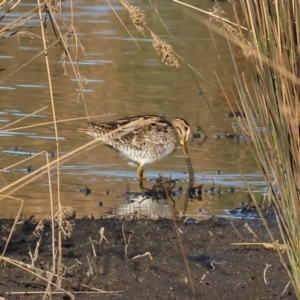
137 16
165 50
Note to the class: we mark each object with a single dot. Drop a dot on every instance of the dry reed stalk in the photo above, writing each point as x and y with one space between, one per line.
66 54
60 220
19 120
51 122
14 224
6 2
22 161
252 51
271 246
215 14
120 20
273 44
48 289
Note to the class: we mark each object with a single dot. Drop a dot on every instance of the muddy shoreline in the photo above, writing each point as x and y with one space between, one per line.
218 269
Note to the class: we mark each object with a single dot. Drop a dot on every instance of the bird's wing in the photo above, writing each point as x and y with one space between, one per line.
132 131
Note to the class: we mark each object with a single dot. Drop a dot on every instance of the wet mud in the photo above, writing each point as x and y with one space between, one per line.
151 265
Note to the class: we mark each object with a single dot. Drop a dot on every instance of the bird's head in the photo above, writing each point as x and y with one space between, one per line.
183 130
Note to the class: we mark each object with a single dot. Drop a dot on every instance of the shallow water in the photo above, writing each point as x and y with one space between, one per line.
122 81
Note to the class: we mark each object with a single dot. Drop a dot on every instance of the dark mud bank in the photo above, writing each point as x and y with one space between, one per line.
218 269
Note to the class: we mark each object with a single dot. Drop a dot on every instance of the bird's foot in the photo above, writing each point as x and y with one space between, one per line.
141 188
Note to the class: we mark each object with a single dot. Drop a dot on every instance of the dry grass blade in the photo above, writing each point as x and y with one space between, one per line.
212 15
123 24
93 247
274 98
15 222
175 53
272 246
251 51
126 242
35 254
10 9
52 215
143 255
39 172
50 277
18 22
57 121
22 161
67 54
1 129
102 236
59 214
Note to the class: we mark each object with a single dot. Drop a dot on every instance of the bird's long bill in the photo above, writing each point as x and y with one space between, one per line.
88 131
188 162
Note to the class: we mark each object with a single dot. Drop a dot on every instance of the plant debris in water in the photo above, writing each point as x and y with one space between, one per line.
165 188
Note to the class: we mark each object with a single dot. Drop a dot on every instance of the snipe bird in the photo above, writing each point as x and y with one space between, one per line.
142 139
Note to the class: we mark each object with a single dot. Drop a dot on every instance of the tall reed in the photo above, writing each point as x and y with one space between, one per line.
271 104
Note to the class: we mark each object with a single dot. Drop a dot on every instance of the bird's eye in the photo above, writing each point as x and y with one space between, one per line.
185 128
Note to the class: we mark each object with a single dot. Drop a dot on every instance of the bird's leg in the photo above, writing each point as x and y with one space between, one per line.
140 186
140 173
141 177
